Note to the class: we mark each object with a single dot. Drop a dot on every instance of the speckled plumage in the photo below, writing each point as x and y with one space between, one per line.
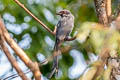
64 28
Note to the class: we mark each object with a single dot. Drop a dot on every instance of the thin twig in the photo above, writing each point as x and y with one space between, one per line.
54 32
70 39
38 20
11 58
15 75
33 66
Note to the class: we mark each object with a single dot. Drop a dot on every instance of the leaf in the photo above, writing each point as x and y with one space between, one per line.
99 36
84 32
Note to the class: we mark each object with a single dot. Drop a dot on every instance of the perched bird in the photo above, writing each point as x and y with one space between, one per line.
64 28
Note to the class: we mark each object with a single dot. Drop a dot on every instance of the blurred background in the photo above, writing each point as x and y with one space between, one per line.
38 43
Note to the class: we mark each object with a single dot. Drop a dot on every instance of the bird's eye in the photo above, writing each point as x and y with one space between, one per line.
63 12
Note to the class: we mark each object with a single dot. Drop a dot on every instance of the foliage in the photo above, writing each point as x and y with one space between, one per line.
98 36
91 36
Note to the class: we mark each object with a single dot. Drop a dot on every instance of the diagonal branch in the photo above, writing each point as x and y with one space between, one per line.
71 39
19 52
11 58
38 20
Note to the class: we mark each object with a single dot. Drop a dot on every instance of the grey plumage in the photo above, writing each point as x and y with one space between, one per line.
64 28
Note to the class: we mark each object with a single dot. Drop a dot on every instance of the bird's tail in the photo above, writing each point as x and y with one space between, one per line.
55 58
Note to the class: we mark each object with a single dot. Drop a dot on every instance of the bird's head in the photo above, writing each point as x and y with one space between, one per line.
64 13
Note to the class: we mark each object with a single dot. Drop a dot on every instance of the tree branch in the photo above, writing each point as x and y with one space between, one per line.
100 6
33 66
108 9
11 58
43 25
70 39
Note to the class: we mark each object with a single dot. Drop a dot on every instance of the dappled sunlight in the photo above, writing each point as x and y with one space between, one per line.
1 6
8 17
49 41
49 16
27 18
96 42
34 29
25 42
79 65
40 57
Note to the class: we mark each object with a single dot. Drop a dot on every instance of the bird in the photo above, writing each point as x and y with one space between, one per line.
64 28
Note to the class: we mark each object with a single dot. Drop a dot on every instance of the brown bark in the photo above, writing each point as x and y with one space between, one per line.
38 20
100 6
19 52
108 9
11 58
43 25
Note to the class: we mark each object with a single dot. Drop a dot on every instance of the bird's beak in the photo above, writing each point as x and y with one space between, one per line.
58 13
